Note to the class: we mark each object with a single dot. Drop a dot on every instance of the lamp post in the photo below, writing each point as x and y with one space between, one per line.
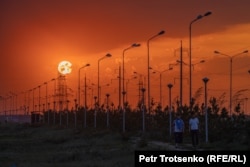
148 67
95 112
205 80
34 99
98 75
46 99
2 99
39 98
123 85
194 64
190 51
123 67
161 72
202 61
79 82
143 109
107 95
54 101
79 91
231 74
170 109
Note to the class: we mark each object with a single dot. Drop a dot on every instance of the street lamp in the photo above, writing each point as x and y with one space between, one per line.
143 109
95 111
170 109
231 70
79 92
54 101
194 64
190 51
205 80
34 99
107 95
46 100
148 68
39 98
123 67
98 94
123 78
202 61
79 87
160 72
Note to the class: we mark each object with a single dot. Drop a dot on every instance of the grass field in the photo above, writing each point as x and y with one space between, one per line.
23 146
43 146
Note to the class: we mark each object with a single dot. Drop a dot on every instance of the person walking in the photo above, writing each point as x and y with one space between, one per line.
194 129
178 130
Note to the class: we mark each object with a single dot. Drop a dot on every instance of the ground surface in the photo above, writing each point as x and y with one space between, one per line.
42 146
52 147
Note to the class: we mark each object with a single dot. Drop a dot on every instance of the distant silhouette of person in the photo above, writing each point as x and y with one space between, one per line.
178 130
194 129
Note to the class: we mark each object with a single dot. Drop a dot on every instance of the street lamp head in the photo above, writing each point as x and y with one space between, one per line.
136 45
205 80
208 13
87 65
162 32
170 85
216 52
199 17
108 55
246 51
202 61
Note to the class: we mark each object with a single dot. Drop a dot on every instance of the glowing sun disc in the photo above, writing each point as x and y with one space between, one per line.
64 67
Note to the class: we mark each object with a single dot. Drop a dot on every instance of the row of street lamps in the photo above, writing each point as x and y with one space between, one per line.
231 74
199 17
123 76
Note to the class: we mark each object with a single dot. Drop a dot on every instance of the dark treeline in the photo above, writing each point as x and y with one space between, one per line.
221 126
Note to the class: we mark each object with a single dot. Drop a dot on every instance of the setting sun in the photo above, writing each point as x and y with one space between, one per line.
64 67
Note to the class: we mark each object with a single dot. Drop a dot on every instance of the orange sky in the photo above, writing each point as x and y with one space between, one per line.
37 35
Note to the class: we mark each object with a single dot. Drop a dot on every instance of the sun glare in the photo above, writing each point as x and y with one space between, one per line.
64 67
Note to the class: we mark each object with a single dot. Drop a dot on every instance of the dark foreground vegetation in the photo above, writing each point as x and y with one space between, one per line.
227 130
65 141
29 146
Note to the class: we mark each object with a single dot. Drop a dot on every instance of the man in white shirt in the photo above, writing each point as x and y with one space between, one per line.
194 129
